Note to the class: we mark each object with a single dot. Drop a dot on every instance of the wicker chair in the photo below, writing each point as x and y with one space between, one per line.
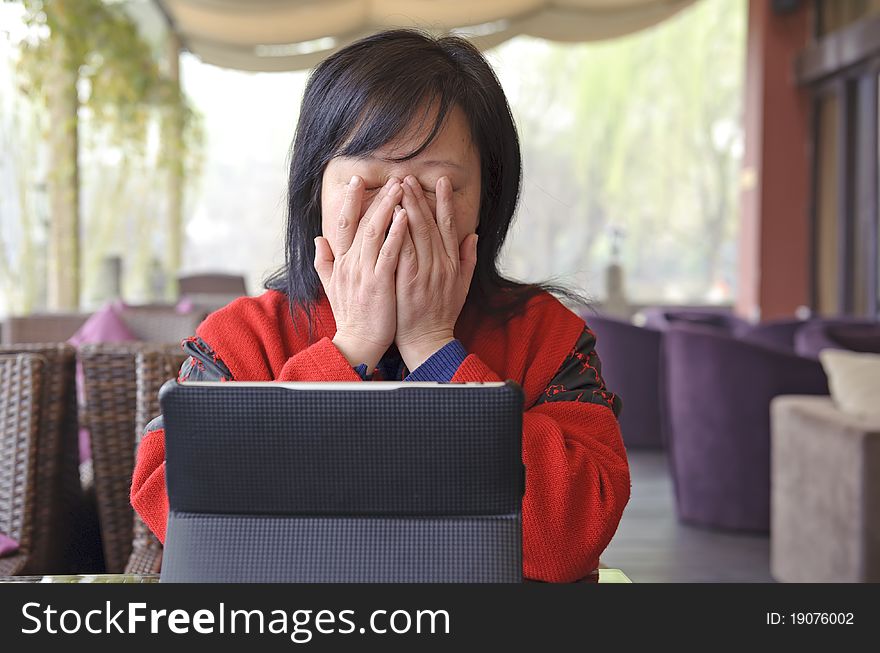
161 323
111 416
212 284
148 322
40 328
153 368
21 391
58 493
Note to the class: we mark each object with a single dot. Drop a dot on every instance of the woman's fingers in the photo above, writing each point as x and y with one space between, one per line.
347 221
389 185
323 261
467 255
407 264
386 263
371 231
422 227
419 194
356 229
446 219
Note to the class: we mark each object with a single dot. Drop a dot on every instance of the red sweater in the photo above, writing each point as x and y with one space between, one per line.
577 481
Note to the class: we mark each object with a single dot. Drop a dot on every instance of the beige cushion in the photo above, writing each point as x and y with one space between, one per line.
854 381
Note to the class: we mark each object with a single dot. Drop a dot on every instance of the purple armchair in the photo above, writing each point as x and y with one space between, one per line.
779 334
806 337
854 336
719 391
722 319
630 358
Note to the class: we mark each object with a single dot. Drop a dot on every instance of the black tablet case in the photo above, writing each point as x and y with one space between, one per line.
411 484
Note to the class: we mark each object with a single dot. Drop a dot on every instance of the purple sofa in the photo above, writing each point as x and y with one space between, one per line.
719 391
630 358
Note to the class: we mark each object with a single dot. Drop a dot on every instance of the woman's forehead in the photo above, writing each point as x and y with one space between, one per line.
451 148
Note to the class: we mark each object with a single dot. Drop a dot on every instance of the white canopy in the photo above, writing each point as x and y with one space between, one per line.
277 35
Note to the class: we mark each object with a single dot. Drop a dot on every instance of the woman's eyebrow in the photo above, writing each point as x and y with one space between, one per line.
442 164
433 163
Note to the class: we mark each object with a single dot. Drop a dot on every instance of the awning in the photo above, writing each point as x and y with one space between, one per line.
278 35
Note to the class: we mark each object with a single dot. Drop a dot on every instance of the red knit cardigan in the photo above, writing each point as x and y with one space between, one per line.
577 481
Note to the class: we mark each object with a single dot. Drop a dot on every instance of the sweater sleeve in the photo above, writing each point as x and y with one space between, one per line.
441 365
322 361
577 476
148 496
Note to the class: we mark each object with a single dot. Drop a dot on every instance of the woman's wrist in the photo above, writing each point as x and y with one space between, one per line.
416 353
358 351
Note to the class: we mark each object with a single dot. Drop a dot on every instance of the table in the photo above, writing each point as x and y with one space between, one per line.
605 576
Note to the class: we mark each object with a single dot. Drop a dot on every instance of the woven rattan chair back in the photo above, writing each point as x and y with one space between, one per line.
41 328
110 413
21 390
153 368
57 486
213 284
161 324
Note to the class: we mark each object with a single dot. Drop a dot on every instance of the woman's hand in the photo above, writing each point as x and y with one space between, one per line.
433 273
359 279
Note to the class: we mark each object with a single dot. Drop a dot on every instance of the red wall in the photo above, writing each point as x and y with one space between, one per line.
775 233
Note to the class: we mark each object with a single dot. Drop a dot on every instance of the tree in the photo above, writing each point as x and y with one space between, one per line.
641 134
86 58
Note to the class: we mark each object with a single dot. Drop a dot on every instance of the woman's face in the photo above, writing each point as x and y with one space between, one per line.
451 154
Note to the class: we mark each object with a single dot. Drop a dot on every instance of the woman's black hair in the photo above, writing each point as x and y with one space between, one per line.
368 93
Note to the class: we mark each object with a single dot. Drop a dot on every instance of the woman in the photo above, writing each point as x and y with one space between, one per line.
405 151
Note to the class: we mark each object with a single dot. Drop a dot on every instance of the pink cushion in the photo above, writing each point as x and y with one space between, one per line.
85 445
105 325
8 546
185 305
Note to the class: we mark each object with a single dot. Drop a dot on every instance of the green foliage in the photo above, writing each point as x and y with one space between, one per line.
120 81
123 99
642 134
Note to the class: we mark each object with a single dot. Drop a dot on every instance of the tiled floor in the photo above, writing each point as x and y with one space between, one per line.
651 546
